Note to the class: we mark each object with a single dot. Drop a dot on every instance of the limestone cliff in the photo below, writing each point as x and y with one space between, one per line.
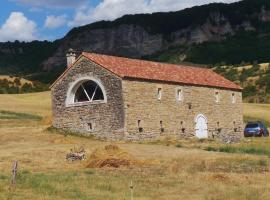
141 35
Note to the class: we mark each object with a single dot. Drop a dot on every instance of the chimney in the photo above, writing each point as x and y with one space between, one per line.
71 57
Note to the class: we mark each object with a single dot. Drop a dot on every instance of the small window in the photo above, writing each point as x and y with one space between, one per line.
139 123
234 126
218 127
90 126
217 98
233 98
182 127
179 95
161 127
139 126
159 94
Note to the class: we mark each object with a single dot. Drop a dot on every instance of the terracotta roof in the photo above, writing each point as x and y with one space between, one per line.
140 69
147 70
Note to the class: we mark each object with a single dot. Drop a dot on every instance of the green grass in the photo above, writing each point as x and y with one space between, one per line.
243 150
21 116
114 185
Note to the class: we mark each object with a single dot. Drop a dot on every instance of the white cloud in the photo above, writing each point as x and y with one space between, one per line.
52 21
112 9
18 27
51 3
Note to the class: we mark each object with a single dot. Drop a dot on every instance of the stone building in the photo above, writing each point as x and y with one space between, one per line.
120 98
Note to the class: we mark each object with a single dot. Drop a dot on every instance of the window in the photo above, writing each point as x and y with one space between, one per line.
161 127
85 90
179 95
139 123
233 98
252 125
90 126
182 127
159 94
88 91
217 97
139 126
234 126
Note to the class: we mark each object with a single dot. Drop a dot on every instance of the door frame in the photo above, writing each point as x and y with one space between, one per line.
206 121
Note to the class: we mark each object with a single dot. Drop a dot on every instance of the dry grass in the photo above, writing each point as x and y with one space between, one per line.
257 112
182 169
263 66
33 103
22 80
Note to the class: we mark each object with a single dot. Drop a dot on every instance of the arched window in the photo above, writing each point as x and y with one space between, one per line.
86 90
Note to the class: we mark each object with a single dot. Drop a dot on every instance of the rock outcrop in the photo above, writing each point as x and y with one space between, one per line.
133 38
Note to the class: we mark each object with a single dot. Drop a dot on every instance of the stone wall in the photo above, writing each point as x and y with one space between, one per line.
144 110
107 118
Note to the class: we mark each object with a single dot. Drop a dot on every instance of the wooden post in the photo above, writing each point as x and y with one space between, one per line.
14 173
131 190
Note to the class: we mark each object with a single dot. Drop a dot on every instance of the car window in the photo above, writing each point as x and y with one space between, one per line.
252 126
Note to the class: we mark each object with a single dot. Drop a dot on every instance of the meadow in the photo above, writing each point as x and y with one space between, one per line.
184 169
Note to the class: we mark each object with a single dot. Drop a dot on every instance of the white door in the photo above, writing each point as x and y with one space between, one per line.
201 126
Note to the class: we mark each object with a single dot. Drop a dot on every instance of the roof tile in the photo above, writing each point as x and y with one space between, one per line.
147 70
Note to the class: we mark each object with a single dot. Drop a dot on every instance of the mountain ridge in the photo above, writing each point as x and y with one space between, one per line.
146 34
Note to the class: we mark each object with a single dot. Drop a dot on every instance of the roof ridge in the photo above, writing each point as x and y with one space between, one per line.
149 61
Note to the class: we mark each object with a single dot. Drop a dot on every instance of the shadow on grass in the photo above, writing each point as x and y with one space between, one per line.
54 130
21 116
243 150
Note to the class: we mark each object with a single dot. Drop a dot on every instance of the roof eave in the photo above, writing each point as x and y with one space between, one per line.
237 88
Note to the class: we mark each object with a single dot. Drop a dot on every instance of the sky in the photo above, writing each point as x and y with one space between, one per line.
28 20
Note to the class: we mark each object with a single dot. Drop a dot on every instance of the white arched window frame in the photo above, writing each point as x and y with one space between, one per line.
70 100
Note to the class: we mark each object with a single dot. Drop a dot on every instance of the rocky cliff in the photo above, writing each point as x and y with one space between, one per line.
140 35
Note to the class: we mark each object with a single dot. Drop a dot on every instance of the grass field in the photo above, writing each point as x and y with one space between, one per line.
257 112
187 169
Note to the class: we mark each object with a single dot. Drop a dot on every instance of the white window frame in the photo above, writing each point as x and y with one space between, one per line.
159 93
233 98
74 87
179 95
217 96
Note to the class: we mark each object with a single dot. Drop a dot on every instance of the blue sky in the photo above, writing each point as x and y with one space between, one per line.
27 20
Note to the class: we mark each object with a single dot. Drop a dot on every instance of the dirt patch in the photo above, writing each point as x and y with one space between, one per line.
111 156
220 177
63 140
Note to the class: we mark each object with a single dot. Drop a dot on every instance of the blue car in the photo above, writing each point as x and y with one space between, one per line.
256 129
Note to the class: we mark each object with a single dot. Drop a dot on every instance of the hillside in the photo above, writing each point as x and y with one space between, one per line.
213 35
17 85
254 78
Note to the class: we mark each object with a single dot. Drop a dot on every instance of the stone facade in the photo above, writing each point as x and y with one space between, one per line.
132 110
107 118
178 117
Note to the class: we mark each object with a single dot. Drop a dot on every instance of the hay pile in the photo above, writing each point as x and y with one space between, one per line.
111 156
